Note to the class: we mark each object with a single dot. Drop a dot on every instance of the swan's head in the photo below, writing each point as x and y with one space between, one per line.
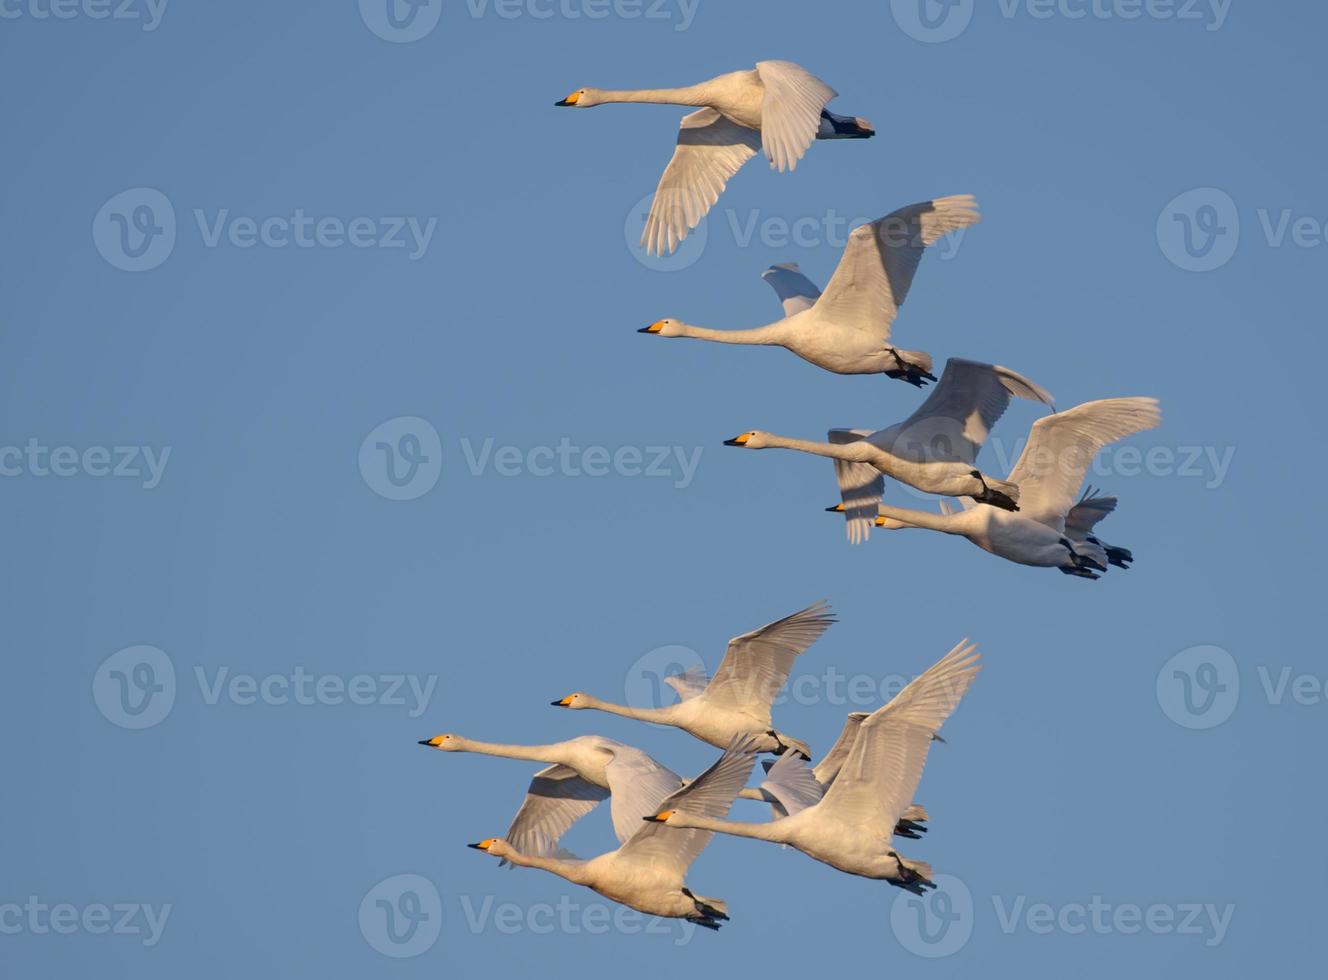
665 328
495 846
750 440
575 700
582 98
674 817
447 742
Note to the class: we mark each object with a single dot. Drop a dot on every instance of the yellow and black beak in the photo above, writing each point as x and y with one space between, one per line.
836 509
572 99
738 440
434 742
483 845
655 327
562 702
660 817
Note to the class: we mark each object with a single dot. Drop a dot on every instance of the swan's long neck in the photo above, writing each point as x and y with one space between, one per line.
696 95
948 523
571 870
852 452
660 716
759 831
531 753
771 334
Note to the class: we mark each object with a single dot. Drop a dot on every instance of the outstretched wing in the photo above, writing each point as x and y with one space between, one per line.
1062 446
639 785
828 768
861 487
556 799
1085 515
955 420
790 111
881 258
757 664
875 787
795 291
710 794
710 150
792 785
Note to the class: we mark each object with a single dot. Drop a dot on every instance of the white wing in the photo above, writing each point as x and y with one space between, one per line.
828 768
1085 515
790 111
757 664
557 798
689 683
861 487
795 291
878 265
710 794
1062 446
639 785
710 150
875 786
955 420
792 784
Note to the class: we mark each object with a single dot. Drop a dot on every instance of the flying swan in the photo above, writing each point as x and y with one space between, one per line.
1050 530
647 872
847 328
777 108
736 701
851 826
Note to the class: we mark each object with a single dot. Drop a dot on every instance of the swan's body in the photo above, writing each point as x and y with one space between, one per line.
777 108
1049 472
736 701
582 772
952 424
847 328
851 826
946 477
647 872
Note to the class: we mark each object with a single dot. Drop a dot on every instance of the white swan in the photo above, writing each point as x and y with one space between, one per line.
582 772
850 828
778 107
647 872
847 328
948 477
1049 472
952 424
736 701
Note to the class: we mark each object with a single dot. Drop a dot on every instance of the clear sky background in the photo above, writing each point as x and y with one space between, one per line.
1076 769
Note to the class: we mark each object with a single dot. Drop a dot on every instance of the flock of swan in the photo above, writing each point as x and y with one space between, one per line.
846 810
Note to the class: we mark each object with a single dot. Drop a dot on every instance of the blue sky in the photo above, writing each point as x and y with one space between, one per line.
193 474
